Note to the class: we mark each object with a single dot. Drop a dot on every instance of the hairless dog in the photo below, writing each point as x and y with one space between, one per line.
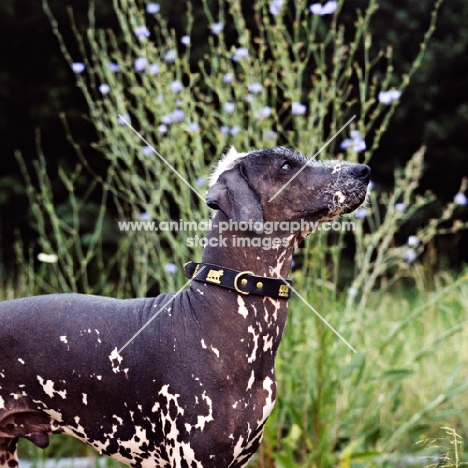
196 386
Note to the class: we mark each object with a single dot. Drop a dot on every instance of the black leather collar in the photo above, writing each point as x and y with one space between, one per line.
244 282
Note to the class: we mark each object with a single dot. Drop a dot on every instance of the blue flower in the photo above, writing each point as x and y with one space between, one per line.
170 268
413 241
401 207
275 6
140 63
255 87
298 109
225 130
144 216
270 135
123 119
147 150
193 127
154 69
409 256
216 28
200 182
78 67
360 213
142 32
359 146
178 115
327 9
167 118
356 142
355 134
316 8
229 107
113 67
104 88
153 8
170 56
185 40
176 87
352 292
162 129
228 78
264 113
460 199
240 53
387 97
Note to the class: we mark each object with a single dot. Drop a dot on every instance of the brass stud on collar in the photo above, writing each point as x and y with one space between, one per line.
259 285
243 282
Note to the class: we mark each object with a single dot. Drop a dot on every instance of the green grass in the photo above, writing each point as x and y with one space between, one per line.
408 378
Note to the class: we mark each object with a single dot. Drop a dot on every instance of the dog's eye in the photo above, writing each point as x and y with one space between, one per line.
286 166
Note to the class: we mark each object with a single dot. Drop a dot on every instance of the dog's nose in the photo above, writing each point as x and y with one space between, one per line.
360 171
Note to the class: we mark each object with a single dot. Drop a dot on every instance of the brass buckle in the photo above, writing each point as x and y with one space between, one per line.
237 278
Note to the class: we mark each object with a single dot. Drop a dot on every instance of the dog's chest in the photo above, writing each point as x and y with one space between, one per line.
208 414
178 430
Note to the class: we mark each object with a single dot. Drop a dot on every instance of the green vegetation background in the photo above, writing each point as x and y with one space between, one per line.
36 85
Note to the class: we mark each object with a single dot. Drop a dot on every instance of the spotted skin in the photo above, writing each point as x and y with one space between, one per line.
8 457
196 386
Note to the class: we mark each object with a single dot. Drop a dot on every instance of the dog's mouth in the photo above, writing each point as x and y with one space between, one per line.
355 202
342 201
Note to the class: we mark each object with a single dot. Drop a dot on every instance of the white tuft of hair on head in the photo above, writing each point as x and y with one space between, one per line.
228 161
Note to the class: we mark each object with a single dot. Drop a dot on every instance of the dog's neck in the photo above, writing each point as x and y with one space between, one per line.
252 314
244 250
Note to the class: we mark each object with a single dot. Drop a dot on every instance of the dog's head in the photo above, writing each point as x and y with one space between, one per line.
279 184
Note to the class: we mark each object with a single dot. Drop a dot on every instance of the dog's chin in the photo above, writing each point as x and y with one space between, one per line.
333 210
325 215
352 208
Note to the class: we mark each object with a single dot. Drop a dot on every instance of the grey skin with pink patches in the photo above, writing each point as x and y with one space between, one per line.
194 388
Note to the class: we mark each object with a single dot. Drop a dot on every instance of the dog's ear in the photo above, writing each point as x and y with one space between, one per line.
233 195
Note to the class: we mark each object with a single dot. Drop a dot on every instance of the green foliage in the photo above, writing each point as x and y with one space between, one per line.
378 256
450 449
405 380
